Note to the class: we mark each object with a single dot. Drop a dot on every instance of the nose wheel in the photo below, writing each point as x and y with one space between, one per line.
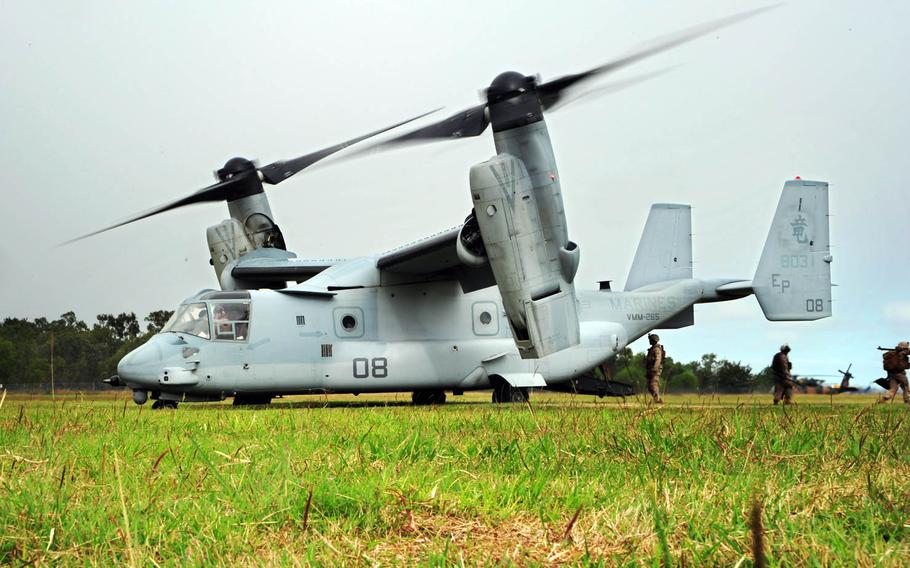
168 404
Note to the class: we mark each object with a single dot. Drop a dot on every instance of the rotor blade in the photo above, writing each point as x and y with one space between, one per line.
551 91
229 189
279 171
607 89
217 192
465 124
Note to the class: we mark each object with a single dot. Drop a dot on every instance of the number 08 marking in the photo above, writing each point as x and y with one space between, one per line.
815 305
378 368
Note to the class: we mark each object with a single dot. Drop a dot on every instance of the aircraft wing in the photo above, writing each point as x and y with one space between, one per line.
425 256
430 259
433 258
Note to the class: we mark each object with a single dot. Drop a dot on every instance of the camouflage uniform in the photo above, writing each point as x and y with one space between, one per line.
897 377
783 382
654 361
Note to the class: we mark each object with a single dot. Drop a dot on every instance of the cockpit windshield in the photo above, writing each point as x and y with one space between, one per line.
190 318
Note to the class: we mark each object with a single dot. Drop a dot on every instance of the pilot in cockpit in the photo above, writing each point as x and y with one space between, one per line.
241 318
223 327
231 321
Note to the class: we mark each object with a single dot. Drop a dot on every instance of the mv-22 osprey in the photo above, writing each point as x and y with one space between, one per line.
490 304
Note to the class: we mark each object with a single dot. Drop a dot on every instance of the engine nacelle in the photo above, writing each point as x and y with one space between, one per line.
249 228
228 241
534 275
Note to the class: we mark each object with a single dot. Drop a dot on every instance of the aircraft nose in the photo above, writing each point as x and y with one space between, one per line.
141 365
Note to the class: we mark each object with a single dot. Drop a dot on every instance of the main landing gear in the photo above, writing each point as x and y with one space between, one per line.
168 404
504 392
425 397
246 399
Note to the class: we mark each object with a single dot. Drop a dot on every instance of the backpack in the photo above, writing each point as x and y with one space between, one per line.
891 361
663 357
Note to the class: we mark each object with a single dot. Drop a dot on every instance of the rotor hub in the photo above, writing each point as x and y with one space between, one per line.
233 167
513 101
509 84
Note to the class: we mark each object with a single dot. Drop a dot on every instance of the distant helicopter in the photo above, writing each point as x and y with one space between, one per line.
490 303
845 382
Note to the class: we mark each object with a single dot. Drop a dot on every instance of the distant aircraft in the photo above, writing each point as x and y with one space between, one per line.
845 381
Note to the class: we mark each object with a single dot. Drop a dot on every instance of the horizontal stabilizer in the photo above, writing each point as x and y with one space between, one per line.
793 279
665 250
684 318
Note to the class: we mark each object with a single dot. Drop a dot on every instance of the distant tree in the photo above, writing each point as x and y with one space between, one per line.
684 380
705 370
764 380
626 367
124 326
733 377
7 359
69 321
157 319
28 363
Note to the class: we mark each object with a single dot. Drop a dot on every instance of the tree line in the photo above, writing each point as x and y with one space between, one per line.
84 355
710 374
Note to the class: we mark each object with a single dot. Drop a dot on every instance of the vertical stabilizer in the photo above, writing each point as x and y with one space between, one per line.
793 279
665 250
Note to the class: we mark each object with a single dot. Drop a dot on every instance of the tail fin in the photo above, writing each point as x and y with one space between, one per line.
665 250
793 279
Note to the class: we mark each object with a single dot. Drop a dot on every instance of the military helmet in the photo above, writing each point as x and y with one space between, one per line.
653 338
903 345
785 348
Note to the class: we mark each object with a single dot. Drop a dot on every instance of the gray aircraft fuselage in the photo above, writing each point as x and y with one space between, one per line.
408 337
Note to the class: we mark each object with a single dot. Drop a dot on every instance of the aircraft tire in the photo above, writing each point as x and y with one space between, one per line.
427 397
164 404
503 392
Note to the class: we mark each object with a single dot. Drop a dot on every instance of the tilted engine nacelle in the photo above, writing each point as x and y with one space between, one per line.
533 273
249 229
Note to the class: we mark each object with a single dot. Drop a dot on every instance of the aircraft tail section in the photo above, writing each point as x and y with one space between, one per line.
665 250
793 279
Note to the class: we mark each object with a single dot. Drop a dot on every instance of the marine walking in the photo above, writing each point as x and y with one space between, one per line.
783 380
654 362
896 362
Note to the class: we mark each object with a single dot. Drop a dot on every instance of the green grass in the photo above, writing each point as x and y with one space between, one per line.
570 479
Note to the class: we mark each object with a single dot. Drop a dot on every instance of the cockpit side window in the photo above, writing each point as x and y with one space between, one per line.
232 320
192 319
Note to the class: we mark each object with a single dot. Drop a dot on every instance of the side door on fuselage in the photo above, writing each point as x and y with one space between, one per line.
228 366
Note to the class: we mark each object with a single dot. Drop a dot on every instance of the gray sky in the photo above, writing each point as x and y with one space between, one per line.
109 108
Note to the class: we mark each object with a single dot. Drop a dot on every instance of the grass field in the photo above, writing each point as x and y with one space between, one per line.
366 480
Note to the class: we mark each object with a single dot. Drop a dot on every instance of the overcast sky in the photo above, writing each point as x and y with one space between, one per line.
109 108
